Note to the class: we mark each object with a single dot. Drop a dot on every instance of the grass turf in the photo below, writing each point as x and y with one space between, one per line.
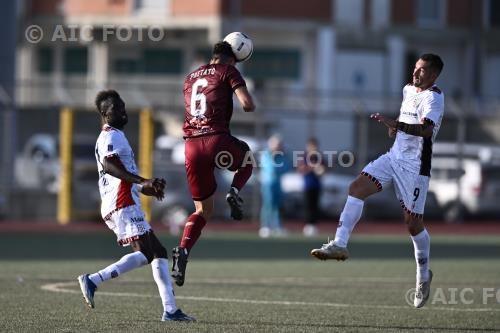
240 283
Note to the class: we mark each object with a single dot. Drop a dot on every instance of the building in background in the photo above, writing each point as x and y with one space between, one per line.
319 68
317 59
310 57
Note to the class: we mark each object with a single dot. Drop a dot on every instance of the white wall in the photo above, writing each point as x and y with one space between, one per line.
349 12
380 13
360 71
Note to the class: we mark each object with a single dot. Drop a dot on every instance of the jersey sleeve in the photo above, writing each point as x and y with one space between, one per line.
113 145
404 92
433 108
234 78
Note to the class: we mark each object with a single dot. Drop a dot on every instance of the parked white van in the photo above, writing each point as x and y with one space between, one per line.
469 186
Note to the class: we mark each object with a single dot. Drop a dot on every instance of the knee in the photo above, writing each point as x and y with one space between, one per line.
414 224
353 188
205 212
362 187
356 190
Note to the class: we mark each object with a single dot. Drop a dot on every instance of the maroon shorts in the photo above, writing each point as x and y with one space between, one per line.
204 154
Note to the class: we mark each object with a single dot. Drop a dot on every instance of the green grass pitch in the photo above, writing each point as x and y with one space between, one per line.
237 282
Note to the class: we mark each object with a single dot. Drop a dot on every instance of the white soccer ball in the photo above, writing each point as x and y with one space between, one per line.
241 44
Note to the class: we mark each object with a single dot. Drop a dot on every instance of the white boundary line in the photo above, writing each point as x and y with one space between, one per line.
61 287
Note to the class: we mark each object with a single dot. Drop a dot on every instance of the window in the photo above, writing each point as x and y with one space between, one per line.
150 61
138 4
494 15
75 60
126 66
45 63
430 12
411 59
162 61
274 64
155 7
203 54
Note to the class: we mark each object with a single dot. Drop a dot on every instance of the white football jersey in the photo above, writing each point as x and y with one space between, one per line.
414 152
115 193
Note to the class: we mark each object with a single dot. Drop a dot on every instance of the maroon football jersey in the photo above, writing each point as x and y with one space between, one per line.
208 99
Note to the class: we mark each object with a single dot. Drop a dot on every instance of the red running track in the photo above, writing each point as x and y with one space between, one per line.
363 227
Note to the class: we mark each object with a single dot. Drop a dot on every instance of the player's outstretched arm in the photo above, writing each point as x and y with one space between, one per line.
151 187
424 130
245 99
388 122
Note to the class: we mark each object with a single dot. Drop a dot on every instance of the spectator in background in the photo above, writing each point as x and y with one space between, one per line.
273 165
311 168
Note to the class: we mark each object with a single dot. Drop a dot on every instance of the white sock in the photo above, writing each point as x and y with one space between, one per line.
422 246
162 279
235 189
348 219
125 264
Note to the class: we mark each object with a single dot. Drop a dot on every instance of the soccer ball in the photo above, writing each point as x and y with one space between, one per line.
241 44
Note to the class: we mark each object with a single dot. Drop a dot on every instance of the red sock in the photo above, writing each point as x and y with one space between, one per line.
192 231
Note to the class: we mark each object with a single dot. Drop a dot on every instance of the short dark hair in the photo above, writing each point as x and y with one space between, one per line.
435 62
223 51
105 99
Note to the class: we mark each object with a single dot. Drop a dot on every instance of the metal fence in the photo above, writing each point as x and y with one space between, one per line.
339 121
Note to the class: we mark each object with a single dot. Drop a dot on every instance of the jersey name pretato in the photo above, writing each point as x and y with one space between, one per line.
412 151
115 193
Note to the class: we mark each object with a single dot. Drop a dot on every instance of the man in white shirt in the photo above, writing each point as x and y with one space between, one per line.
407 165
119 186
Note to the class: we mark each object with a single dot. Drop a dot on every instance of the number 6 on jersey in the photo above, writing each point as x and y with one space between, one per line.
198 100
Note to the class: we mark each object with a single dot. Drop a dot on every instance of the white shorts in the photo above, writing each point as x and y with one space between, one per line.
410 187
128 224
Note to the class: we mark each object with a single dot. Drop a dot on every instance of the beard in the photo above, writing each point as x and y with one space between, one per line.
417 82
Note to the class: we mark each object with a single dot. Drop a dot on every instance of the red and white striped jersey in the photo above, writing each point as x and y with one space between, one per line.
115 193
